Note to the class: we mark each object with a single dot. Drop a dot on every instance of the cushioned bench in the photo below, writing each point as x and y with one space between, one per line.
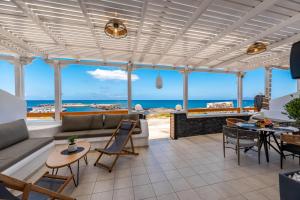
18 151
99 128
15 153
90 133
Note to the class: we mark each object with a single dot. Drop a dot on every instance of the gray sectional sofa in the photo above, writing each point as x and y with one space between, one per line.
17 148
22 152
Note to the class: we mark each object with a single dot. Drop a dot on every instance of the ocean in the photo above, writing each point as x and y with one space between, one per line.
147 104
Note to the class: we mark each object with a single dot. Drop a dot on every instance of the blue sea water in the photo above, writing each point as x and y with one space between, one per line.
147 104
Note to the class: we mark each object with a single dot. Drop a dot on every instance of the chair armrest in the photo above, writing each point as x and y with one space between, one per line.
290 139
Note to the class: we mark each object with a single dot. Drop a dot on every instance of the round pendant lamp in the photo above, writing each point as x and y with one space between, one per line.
159 82
115 28
256 48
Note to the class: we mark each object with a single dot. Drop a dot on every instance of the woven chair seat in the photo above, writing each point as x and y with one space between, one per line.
243 142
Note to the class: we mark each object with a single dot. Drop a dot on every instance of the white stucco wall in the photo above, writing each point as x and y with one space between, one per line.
11 107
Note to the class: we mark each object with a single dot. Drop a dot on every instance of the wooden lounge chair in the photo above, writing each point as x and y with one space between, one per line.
47 187
117 143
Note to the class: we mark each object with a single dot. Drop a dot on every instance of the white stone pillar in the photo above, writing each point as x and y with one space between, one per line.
185 90
19 65
58 90
268 83
298 85
129 88
240 76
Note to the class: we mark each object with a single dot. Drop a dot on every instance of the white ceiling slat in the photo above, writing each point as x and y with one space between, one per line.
275 28
139 30
19 41
22 6
12 48
210 34
196 14
163 11
92 28
288 40
252 13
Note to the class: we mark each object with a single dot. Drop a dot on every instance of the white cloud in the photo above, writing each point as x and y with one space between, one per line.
111 74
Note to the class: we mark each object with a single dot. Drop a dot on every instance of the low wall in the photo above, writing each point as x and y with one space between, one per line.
184 126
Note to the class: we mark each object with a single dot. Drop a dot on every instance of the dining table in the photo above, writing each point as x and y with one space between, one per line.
266 133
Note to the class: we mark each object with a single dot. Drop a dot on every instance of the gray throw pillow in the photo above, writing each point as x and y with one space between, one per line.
112 121
12 133
97 122
76 123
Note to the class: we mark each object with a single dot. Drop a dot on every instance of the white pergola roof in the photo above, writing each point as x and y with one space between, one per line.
201 34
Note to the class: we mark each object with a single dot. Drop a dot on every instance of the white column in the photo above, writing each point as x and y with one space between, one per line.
129 88
19 80
57 87
240 76
298 85
185 90
19 65
268 83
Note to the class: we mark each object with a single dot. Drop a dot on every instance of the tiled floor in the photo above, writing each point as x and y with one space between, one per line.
185 169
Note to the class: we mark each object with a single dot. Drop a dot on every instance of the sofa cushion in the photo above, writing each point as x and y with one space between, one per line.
82 122
90 133
21 150
12 133
97 122
112 121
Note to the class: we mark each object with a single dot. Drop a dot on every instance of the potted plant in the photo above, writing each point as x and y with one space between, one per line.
293 110
72 143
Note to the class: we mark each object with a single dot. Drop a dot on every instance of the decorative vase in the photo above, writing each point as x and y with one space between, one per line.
72 147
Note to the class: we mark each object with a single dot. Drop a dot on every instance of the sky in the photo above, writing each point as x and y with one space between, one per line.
109 83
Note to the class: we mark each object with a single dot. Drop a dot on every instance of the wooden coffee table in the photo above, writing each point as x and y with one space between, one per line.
58 160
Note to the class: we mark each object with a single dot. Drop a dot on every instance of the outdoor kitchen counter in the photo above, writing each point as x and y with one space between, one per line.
183 125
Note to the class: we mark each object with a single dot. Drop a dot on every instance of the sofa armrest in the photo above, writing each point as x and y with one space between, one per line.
144 127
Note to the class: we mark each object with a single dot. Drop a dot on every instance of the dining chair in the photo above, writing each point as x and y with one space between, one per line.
291 144
238 139
231 122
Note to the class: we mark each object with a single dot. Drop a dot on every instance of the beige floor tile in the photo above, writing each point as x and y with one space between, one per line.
103 186
210 178
208 193
187 171
188 195
123 183
179 184
171 196
161 188
138 170
143 192
195 181
157 177
172 174
225 189
140 180
83 197
255 196
83 189
108 195
123 194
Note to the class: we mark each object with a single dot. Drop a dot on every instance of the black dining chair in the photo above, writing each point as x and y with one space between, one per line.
237 139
